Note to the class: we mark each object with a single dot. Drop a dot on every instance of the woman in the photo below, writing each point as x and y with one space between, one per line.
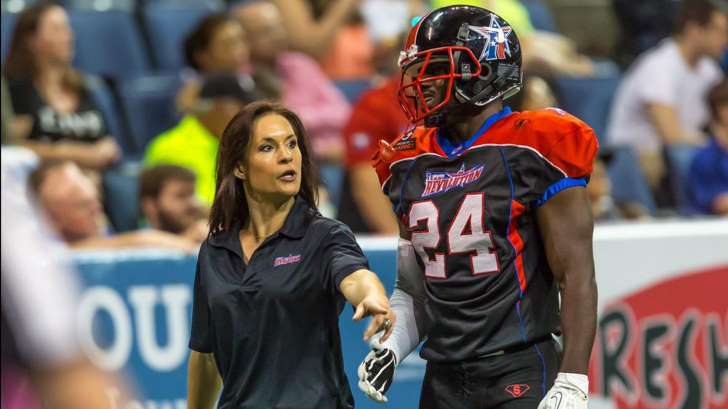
273 275
57 117
216 45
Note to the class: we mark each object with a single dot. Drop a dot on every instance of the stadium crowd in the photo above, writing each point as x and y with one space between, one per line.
122 104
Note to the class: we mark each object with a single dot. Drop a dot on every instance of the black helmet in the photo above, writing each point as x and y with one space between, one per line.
479 56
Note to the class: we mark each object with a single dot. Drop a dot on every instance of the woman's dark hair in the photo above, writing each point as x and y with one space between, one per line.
199 39
20 62
230 207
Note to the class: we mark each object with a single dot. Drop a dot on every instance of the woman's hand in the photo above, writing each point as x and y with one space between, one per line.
363 289
378 308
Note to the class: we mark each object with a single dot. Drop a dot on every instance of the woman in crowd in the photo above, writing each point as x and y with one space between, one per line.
57 118
273 275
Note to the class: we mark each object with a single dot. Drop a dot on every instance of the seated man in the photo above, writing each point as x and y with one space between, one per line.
707 184
194 142
71 201
168 201
661 100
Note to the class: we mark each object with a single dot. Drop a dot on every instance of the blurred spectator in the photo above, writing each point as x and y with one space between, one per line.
376 116
351 53
71 201
313 24
8 116
707 184
39 306
168 201
642 25
544 53
661 100
56 117
599 190
536 93
295 77
193 143
216 45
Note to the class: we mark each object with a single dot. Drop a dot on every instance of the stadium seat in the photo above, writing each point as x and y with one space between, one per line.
628 183
108 43
352 89
679 158
121 197
7 25
541 16
104 99
588 99
167 25
149 106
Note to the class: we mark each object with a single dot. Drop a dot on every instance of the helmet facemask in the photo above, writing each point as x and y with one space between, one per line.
444 64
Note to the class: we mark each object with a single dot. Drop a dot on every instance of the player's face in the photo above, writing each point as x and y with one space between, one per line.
433 91
273 163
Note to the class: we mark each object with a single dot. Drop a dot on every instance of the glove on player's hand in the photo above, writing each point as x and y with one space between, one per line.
569 392
376 373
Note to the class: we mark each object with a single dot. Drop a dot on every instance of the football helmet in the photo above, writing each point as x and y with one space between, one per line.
471 53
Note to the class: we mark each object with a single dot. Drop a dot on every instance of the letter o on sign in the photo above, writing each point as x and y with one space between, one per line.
104 298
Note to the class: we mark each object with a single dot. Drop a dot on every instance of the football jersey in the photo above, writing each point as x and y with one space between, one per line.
469 210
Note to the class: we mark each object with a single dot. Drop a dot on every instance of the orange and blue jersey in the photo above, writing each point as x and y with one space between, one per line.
469 209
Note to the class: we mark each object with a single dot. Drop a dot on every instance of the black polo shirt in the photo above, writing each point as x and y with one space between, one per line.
272 324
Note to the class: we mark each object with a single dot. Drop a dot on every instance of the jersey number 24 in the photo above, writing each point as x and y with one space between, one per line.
478 242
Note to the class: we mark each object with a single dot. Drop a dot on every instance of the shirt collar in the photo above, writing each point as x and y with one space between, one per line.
294 227
453 148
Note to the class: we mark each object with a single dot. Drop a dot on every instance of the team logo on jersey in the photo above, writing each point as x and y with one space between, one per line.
438 182
290 259
496 41
517 390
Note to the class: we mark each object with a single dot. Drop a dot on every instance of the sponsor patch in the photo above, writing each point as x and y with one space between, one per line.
518 389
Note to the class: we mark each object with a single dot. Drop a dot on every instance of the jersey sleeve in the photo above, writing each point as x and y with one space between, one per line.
563 150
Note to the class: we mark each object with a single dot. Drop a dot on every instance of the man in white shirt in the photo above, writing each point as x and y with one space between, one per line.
661 100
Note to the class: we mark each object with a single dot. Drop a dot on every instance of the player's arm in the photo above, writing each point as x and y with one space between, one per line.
203 381
376 372
566 227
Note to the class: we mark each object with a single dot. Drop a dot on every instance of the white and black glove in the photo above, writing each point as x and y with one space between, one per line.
376 373
569 392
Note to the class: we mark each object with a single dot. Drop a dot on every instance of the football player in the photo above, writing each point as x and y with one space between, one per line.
495 225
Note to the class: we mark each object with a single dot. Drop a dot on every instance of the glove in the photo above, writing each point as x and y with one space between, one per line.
569 392
376 373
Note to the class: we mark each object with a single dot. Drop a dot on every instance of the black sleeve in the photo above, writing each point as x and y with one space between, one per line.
342 255
23 97
200 335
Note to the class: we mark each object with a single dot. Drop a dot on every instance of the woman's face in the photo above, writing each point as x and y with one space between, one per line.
53 40
228 50
273 164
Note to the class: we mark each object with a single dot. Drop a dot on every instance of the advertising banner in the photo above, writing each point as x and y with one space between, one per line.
662 338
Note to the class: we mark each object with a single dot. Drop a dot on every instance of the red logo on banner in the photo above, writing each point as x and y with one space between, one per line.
517 390
666 346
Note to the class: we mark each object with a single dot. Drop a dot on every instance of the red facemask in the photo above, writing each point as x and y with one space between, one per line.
411 96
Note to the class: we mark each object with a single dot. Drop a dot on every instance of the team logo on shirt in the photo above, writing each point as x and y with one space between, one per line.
290 259
438 182
517 390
